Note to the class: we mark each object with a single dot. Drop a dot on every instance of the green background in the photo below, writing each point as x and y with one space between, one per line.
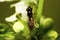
52 9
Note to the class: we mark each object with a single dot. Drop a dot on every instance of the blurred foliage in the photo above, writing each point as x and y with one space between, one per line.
43 28
41 33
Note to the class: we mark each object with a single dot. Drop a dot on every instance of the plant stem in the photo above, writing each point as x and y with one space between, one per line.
39 11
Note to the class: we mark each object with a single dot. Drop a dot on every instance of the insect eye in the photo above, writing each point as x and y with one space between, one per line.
29 8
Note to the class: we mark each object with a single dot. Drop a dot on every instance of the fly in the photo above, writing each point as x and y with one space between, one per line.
30 18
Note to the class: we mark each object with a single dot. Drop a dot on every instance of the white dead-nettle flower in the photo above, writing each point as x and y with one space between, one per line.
20 7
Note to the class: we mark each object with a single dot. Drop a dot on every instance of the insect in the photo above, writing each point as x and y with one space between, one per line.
30 18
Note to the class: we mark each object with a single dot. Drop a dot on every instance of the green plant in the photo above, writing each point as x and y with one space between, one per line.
42 28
